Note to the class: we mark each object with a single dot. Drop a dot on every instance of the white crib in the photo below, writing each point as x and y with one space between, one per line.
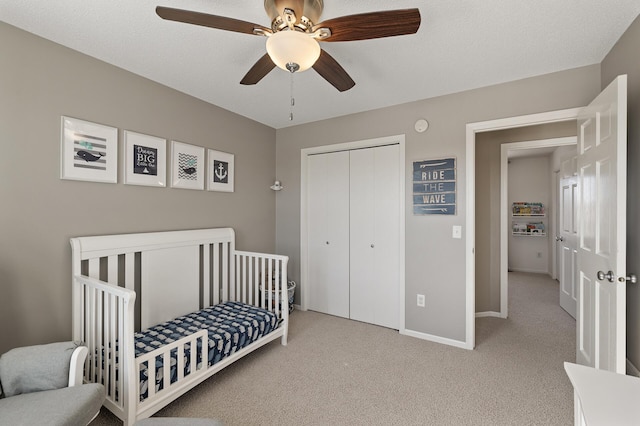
172 273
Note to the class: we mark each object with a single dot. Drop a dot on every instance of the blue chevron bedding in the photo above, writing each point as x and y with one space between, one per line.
231 326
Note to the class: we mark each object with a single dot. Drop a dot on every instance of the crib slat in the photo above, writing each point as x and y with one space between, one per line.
86 326
94 268
166 370
151 378
225 273
270 283
242 290
180 362
263 294
112 271
112 344
92 332
216 273
251 280
99 336
206 283
277 295
204 352
83 327
121 397
194 356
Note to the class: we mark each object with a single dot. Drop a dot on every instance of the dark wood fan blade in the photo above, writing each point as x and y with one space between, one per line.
331 71
258 70
206 20
366 26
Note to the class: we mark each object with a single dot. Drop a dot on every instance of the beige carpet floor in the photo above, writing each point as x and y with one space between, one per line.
340 372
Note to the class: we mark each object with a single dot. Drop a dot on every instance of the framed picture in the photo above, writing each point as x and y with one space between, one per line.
220 173
187 166
89 151
145 160
434 187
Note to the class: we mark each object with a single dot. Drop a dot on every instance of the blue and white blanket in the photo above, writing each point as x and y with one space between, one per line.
231 326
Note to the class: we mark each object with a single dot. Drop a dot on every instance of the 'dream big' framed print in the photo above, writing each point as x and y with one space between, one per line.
145 160
89 151
187 166
220 171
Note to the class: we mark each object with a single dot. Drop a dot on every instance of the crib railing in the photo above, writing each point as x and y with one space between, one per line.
162 355
261 280
103 320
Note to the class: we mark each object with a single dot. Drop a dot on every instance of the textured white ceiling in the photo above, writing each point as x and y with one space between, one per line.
461 45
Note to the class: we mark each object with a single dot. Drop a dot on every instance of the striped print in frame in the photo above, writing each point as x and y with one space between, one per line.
89 151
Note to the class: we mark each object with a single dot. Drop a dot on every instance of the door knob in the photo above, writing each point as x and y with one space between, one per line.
631 278
609 276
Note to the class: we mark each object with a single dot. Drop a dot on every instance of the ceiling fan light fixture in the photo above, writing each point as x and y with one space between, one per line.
293 47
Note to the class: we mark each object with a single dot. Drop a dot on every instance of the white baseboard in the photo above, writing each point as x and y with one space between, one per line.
436 339
530 271
489 314
631 369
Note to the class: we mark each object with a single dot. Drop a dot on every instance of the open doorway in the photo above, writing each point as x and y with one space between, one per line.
492 224
528 235
474 130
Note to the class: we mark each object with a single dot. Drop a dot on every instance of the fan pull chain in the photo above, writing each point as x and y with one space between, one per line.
293 101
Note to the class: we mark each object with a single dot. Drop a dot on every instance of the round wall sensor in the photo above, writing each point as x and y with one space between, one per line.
421 125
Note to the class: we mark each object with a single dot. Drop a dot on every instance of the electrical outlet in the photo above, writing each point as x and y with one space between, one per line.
421 300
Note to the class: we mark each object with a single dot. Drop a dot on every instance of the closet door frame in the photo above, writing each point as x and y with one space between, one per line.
304 237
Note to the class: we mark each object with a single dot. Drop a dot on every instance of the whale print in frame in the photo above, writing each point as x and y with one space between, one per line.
187 166
145 160
220 171
89 151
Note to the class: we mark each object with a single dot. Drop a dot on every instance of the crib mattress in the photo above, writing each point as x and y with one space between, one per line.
231 326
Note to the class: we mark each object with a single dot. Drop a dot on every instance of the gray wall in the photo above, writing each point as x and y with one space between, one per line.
39 82
434 261
488 177
623 59
529 179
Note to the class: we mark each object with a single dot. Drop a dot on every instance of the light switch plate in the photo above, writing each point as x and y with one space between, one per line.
457 231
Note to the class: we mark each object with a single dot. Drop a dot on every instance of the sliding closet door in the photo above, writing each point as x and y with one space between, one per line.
328 224
374 235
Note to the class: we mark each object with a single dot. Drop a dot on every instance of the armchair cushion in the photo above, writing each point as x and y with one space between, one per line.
36 368
70 406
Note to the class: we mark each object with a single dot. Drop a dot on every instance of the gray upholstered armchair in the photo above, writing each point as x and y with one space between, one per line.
43 385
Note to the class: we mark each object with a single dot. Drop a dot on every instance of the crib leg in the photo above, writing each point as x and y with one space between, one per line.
284 338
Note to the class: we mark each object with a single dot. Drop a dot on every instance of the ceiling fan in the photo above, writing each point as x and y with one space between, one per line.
292 40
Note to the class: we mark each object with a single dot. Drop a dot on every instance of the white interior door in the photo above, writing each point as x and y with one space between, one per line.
602 167
568 235
375 235
387 236
328 233
362 300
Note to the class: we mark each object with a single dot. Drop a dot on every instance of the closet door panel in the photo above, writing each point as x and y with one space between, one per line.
387 236
374 235
362 245
328 223
317 231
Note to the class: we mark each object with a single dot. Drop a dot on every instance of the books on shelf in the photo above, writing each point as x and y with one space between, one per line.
525 208
529 228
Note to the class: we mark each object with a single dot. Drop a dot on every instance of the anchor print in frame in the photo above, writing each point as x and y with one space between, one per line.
89 151
220 171
187 166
